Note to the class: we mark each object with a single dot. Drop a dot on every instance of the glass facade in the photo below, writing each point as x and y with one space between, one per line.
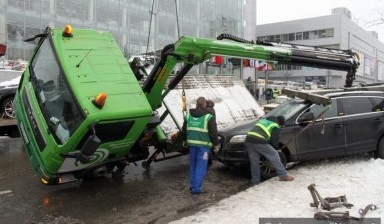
130 21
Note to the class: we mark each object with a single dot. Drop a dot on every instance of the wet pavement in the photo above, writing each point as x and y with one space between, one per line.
157 196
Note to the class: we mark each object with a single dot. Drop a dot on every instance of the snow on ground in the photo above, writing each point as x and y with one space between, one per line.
361 180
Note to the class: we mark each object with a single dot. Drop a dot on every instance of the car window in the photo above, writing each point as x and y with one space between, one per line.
378 103
331 112
287 109
356 105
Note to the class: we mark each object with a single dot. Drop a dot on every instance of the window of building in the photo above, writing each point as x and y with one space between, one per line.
16 4
271 38
284 37
313 34
299 36
326 33
291 37
277 38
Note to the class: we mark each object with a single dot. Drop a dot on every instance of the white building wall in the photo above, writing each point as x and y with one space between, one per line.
250 19
347 35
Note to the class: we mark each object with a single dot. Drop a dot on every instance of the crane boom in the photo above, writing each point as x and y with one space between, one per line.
192 51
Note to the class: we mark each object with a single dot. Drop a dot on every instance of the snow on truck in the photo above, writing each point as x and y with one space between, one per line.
82 112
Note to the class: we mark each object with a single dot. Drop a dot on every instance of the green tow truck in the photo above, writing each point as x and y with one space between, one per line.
82 111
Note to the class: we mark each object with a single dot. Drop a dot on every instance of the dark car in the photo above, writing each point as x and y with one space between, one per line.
7 93
354 123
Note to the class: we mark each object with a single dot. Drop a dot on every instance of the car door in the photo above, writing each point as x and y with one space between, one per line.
361 122
326 138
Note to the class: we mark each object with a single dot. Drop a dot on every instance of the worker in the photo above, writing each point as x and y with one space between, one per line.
268 94
200 131
276 93
209 107
264 139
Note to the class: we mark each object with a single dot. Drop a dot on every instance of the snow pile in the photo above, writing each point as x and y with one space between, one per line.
233 102
361 180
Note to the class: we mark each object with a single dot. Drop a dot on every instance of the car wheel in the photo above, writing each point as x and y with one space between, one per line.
267 170
7 108
380 149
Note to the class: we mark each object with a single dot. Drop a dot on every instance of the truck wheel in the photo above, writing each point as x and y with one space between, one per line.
267 171
7 108
380 149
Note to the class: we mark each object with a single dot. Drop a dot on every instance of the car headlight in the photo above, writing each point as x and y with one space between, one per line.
238 139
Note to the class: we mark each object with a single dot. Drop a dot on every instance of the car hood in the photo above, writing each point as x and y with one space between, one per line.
239 129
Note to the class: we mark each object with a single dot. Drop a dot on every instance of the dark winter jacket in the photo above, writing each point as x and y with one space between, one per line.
212 126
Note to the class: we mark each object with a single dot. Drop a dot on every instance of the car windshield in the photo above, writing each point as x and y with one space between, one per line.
287 109
53 93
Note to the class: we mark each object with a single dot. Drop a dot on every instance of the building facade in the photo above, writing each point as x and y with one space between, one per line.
333 31
138 26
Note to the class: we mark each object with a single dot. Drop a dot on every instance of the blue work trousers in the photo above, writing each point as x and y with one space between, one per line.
198 157
254 151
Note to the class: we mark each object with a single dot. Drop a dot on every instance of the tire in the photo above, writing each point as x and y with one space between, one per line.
380 149
267 171
7 108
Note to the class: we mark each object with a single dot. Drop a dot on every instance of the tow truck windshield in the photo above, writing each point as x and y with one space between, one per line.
55 100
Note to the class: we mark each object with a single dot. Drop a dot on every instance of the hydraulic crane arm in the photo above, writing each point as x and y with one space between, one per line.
192 51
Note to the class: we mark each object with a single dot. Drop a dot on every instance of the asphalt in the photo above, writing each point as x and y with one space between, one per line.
157 196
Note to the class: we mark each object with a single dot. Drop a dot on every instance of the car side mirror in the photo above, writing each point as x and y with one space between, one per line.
307 116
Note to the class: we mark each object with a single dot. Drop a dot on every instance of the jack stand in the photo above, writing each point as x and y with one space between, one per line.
327 203
334 216
364 211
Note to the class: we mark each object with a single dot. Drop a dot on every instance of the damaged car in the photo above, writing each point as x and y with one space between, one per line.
352 123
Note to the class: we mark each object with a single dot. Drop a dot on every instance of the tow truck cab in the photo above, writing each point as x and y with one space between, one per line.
79 105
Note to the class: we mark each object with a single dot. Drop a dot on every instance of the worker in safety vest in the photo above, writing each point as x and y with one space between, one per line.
276 93
200 131
264 139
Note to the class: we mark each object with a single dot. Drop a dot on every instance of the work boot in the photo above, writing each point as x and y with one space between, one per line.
287 178
200 192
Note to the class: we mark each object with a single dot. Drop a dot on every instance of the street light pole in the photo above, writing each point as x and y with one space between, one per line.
328 77
154 14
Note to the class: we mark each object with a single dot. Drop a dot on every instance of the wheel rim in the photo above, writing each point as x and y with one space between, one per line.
267 168
8 110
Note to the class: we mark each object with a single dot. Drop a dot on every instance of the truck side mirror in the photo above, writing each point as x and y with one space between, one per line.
90 146
307 116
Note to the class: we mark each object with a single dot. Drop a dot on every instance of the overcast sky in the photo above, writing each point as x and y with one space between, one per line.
363 12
